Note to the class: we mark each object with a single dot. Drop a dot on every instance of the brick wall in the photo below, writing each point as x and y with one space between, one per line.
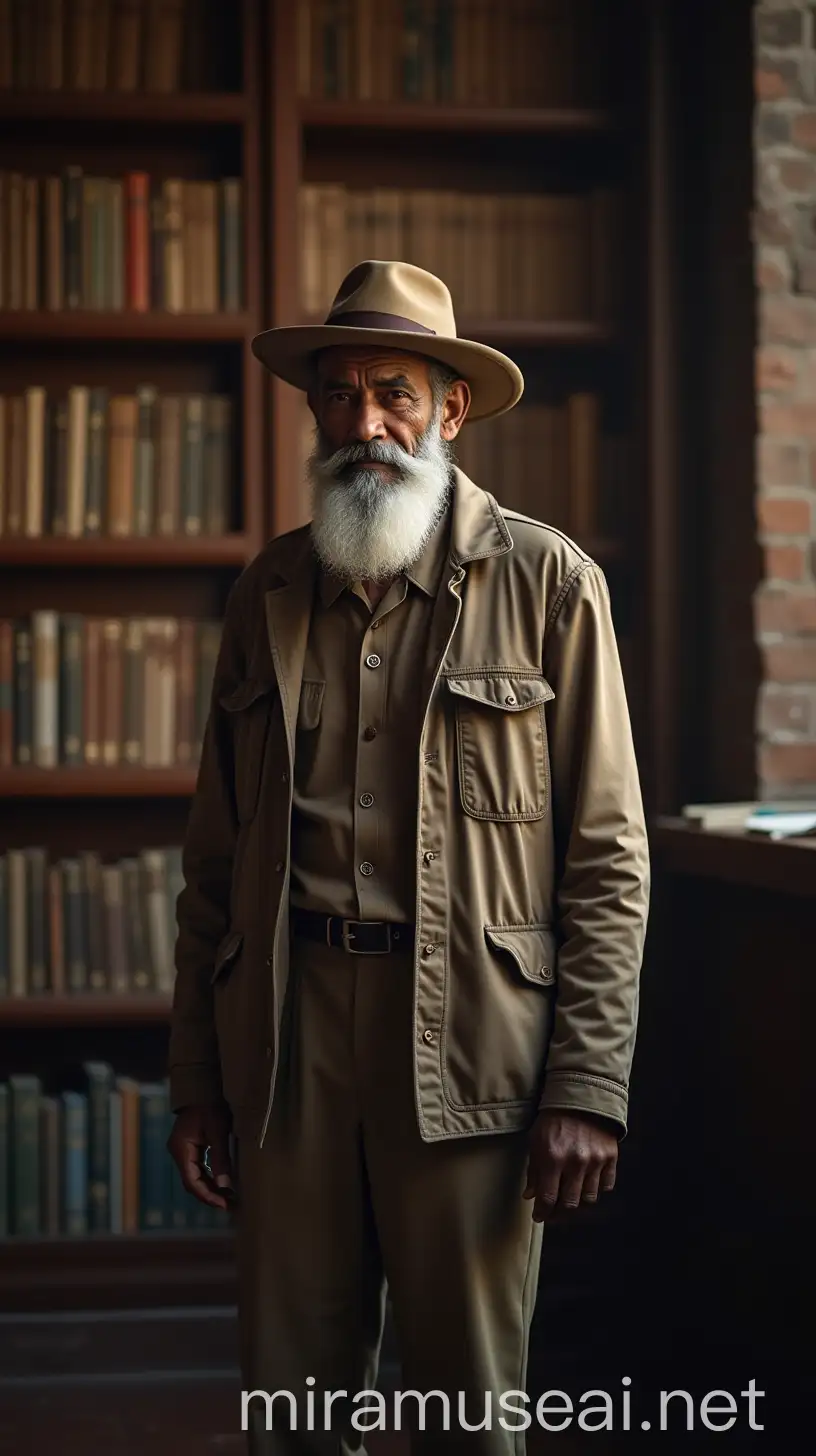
785 270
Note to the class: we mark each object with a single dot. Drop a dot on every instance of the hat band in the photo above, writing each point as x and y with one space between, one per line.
374 320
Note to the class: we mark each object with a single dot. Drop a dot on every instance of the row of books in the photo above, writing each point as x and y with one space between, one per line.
131 242
76 924
92 463
558 463
97 45
507 256
471 52
91 1158
105 692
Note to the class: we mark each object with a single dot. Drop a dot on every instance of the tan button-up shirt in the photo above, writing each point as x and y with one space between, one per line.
355 789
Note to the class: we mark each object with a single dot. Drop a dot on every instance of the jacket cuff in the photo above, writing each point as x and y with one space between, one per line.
196 1086
581 1092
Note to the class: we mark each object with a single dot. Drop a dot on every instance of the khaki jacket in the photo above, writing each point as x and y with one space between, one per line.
531 849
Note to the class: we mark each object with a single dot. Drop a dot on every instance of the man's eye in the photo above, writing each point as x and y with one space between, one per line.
399 393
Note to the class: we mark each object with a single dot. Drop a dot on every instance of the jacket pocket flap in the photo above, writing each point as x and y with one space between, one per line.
246 693
508 691
226 953
533 948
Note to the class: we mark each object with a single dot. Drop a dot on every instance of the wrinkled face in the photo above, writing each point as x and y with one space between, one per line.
380 469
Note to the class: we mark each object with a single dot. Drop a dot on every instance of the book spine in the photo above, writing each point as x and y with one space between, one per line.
92 687
126 44
152 1155
23 695
5 1160
45 637
115 1161
49 1167
96 462
76 949
37 915
77 465
100 1084
31 243
137 264
72 247
56 929
5 967
145 463
168 490
116 207
154 872
6 694
91 870
185 708
115 935
54 276
121 464
35 461
75 1163
138 952
133 691
18 922
129 1093
232 245
112 691
58 519
25 1155
192 490
217 433
174 287
71 690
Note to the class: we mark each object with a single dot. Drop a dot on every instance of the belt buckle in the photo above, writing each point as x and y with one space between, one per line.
348 935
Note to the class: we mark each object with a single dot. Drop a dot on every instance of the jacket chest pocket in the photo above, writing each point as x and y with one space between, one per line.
501 743
250 710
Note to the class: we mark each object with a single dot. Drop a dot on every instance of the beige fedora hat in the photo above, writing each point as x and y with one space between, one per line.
395 305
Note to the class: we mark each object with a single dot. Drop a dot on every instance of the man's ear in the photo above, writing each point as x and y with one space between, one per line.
454 410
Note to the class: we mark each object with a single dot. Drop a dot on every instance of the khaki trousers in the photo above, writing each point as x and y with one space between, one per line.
345 1198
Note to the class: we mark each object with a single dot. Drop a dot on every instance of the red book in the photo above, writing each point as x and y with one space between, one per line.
137 247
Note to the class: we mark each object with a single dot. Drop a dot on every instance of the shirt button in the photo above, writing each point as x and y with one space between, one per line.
509 700
366 868
427 1036
375 625
428 950
428 856
366 800
369 733
373 660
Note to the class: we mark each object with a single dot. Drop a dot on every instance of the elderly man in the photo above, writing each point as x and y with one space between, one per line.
416 893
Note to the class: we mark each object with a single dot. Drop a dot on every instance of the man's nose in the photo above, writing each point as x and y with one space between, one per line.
368 423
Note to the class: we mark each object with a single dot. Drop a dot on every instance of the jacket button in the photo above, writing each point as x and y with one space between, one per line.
366 800
427 1036
429 855
366 868
369 733
428 950
373 660
509 700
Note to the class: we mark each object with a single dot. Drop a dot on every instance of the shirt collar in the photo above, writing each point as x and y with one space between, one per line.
425 573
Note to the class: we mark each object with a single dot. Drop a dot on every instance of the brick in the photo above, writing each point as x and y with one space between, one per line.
784 563
777 368
805 274
771 225
796 419
779 28
803 129
788 320
785 611
776 80
781 464
790 662
781 515
788 763
785 710
773 127
772 276
797 175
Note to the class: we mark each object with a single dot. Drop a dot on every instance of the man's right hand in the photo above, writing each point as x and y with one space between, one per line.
195 1130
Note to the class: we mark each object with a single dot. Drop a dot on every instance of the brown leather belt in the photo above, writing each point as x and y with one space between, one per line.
358 937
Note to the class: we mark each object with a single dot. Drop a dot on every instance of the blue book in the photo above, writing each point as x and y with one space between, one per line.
25 1155
154 1103
100 1081
115 1161
75 1162
4 1161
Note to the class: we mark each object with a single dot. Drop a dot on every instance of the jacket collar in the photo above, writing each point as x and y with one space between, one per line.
477 530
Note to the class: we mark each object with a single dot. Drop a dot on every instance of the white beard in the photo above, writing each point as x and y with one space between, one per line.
371 527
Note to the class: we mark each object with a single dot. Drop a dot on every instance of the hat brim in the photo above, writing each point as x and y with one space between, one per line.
496 383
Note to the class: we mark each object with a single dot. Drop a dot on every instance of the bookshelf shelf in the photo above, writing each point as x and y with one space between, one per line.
192 108
117 1271
81 324
96 783
88 323
559 122
85 1009
105 551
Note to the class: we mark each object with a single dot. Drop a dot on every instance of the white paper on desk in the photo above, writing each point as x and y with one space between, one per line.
783 826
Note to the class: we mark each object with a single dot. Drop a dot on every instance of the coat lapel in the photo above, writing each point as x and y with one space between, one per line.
288 614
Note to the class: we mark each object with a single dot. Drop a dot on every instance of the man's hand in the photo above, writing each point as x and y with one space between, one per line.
197 1132
572 1158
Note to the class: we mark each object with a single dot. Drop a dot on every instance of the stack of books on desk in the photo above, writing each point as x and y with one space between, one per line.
776 821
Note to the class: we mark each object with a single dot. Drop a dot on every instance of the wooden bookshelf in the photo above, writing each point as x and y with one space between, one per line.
494 120
84 1009
119 811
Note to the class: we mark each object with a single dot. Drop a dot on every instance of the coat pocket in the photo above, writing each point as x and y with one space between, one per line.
501 743
500 1003
249 707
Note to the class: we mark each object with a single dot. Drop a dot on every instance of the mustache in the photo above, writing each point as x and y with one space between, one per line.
362 453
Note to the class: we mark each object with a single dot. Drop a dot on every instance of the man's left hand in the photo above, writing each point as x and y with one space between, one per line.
572 1159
